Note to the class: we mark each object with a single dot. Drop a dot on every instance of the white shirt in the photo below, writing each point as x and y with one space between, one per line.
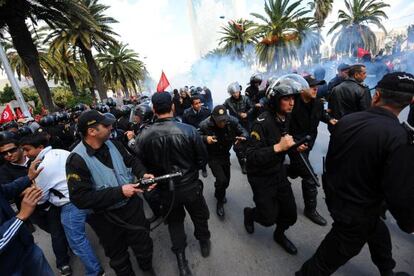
53 175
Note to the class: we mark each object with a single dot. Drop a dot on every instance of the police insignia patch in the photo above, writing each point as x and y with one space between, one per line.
255 135
73 176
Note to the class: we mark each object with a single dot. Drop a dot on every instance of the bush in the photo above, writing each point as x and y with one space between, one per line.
62 96
7 94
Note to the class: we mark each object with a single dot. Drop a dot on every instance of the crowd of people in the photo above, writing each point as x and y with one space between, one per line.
88 165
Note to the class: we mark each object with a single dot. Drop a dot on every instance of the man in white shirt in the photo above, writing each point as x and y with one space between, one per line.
52 181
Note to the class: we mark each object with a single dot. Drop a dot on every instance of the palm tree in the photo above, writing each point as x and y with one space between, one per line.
279 34
86 35
309 39
236 36
354 30
120 64
13 14
322 9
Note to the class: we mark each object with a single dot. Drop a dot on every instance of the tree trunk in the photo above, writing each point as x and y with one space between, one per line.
92 89
72 85
125 86
94 71
23 43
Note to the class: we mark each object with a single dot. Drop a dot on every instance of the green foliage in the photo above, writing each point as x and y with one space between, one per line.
7 94
84 97
30 94
61 96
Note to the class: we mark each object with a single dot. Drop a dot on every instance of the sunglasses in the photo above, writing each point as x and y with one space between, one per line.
11 151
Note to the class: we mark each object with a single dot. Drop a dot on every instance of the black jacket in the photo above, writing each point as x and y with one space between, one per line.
369 161
194 118
242 105
225 136
168 146
348 97
410 118
305 118
10 172
337 80
180 107
262 160
254 94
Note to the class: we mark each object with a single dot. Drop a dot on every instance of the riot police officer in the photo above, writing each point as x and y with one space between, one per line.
369 161
266 150
220 131
123 122
255 95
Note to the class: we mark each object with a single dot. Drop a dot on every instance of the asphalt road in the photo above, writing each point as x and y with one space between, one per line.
234 252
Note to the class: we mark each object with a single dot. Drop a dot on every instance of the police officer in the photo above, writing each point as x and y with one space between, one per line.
99 178
240 107
123 122
369 161
266 152
219 132
255 95
168 146
305 117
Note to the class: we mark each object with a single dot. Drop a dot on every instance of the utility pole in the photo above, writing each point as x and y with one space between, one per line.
15 86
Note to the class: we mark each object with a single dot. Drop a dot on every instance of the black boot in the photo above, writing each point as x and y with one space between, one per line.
205 247
248 220
280 238
243 166
314 216
220 209
392 273
183 265
204 173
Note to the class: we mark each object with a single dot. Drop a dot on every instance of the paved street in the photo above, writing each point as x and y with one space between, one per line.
234 252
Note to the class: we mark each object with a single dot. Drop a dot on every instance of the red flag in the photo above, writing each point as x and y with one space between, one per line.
7 115
362 52
163 83
19 113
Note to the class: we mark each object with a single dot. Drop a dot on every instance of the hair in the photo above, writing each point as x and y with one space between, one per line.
162 109
35 140
194 98
9 141
395 99
357 68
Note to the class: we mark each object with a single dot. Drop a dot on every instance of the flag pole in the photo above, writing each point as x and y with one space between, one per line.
14 84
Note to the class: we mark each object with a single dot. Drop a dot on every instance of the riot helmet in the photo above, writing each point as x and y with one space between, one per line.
144 111
233 88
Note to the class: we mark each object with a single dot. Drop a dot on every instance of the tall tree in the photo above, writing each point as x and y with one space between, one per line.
322 9
353 26
120 64
13 14
95 34
237 35
279 33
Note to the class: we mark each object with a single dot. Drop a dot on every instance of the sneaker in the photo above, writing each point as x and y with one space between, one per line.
65 270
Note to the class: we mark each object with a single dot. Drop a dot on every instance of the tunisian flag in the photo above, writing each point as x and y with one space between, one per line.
362 52
7 115
163 83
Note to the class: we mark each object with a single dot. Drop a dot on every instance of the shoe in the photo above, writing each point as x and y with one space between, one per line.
220 209
204 173
183 265
392 273
243 168
315 217
248 220
205 247
149 272
65 270
284 242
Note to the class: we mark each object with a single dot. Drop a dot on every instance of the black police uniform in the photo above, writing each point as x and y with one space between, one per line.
304 120
168 146
369 161
114 239
219 152
272 192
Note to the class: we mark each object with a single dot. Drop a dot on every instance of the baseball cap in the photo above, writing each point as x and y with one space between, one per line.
219 113
343 67
397 81
92 117
314 82
161 100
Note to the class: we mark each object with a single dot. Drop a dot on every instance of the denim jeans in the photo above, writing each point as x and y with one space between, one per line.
33 263
73 221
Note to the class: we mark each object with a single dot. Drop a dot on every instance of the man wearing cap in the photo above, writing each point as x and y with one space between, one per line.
307 112
220 131
99 178
351 95
369 161
342 75
168 146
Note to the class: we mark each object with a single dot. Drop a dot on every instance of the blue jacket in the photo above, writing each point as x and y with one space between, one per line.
14 236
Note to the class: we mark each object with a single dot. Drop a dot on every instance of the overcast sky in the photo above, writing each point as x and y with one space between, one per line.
161 30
